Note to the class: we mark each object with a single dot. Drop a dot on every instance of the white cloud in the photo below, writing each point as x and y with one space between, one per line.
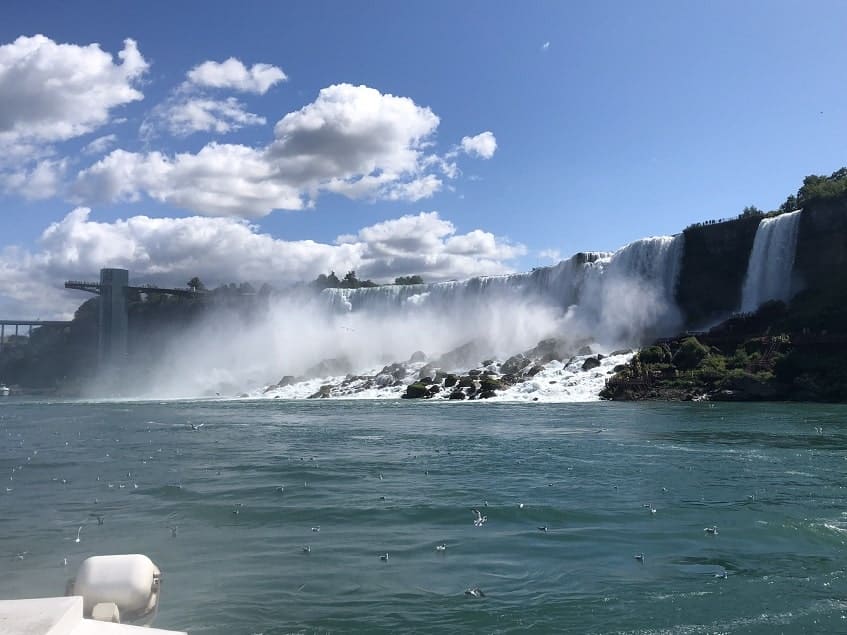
220 180
482 145
233 74
43 180
219 250
352 140
100 144
199 114
52 92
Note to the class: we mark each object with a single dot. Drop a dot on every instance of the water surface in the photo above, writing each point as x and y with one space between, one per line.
770 477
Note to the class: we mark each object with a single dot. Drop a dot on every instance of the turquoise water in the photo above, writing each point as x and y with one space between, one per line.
771 482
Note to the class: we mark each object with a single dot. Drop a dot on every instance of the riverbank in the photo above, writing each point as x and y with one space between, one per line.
779 353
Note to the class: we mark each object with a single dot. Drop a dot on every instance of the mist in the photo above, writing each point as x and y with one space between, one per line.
604 301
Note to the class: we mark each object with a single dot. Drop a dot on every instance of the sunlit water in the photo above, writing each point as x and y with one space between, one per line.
771 482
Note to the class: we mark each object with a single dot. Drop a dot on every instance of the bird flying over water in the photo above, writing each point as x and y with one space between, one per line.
712 531
479 519
475 592
196 426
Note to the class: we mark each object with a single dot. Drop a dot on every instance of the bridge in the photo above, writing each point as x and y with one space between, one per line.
29 324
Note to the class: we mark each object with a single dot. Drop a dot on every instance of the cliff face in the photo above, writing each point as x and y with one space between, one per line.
714 263
715 258
822 243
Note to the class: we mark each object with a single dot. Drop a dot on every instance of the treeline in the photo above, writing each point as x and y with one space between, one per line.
350 281
815 188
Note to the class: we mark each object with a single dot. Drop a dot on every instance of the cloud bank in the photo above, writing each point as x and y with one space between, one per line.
221 250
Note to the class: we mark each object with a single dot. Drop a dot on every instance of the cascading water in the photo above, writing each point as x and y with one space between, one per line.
771 261
345 339
615 298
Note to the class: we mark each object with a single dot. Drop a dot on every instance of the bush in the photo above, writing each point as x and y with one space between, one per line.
691 352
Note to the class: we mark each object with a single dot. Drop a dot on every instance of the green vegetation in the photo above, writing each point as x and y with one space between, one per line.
350 281
780 353
408 280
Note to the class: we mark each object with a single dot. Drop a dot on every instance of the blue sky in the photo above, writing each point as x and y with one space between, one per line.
612 120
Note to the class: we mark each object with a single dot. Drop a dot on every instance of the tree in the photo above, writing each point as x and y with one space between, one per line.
416 279
196 285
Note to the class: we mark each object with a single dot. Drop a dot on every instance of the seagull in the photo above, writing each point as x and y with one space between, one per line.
384 557
520 505
544 529
639 557
475 592
480 519
652 509
441 547
380 476
722 575
196 426
22 554
99 518
307 549
64 562
712 531
280 489
316 529
174 530
78 532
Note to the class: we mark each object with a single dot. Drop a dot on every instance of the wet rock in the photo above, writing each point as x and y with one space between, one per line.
417 356
450 380
532 372
434 389
514 364
457 394
475 372
591 363
322 393
489 384
288 380
416 391
487 394
465 382
384 380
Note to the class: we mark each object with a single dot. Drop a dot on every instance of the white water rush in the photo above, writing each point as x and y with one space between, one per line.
771 261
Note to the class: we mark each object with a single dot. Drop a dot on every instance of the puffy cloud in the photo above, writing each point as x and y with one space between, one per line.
352 140
52 92
200 114
220 180
43 180
553 255
172 250
482 145
233 74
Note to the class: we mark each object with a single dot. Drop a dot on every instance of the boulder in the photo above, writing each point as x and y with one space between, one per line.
384 380
487 394
489 384
434 389
591 363
416 391
417 356
475 372
514 364
450 380
287 381
465 382
322 393
457 394
427 370
532 372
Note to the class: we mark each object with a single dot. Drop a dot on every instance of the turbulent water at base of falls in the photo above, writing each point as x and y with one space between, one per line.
591 303
771 261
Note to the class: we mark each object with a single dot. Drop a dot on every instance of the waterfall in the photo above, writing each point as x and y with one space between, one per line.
771 261
617 298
